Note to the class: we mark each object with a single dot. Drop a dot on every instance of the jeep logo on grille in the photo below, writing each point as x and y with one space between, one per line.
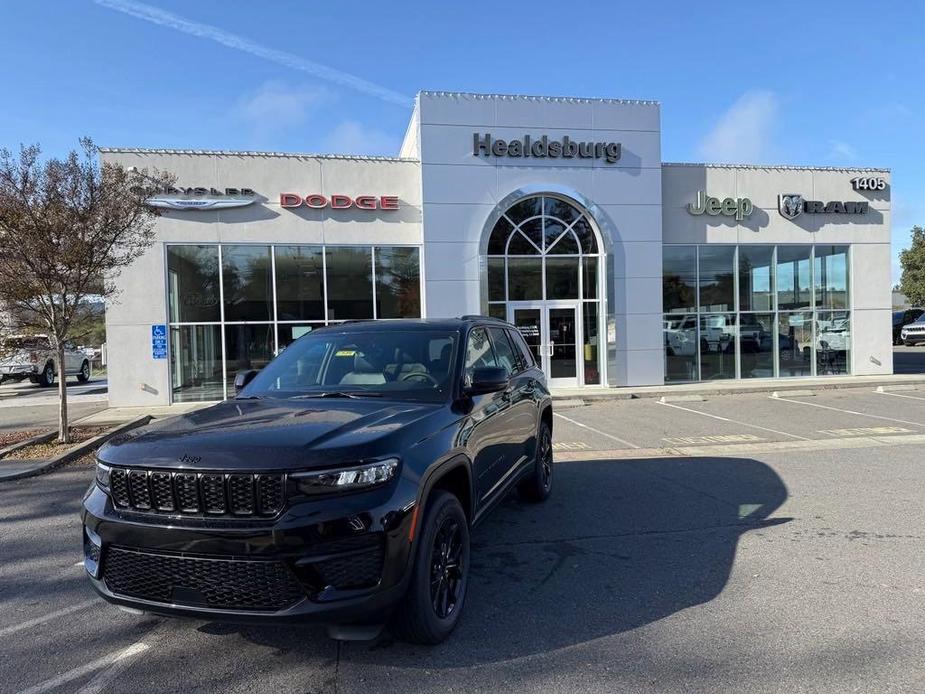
190 459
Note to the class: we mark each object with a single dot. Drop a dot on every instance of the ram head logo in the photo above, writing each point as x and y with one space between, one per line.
790 205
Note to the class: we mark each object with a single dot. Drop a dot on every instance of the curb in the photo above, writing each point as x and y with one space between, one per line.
40 438
77 451
630 393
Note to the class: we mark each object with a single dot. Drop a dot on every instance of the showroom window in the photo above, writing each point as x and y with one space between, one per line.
755 311
233 307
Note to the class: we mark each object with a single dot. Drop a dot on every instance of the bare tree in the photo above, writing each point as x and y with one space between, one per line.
67 228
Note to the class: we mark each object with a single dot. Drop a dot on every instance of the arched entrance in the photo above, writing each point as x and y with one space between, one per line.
544 260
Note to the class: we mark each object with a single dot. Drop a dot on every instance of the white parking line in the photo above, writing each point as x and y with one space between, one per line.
898 395
733 421
839 409
105 677
597 431
47 618
86 669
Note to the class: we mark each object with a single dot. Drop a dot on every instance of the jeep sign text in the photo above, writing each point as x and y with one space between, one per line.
738 207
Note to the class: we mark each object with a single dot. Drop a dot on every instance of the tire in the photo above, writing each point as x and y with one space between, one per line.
428 614
47 377
84 374
538 486
909 344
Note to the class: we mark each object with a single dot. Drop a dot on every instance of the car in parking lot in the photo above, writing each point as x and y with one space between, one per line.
903 318
339 485
34 357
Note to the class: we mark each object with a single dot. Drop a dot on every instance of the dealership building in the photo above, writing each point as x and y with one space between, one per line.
556 214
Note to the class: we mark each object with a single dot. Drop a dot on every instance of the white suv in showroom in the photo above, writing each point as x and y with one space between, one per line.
33 357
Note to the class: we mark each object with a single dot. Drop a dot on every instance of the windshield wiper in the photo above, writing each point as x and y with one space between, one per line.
338 394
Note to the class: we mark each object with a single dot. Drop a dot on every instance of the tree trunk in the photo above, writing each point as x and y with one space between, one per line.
64 434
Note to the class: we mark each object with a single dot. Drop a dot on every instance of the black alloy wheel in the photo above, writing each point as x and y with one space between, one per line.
447 573
436 593
538 485
84 374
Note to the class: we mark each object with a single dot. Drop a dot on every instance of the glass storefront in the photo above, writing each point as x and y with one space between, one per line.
755 311
233 307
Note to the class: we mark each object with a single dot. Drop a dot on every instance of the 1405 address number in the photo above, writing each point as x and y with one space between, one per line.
868 183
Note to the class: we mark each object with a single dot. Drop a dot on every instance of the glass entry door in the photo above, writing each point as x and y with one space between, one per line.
551 330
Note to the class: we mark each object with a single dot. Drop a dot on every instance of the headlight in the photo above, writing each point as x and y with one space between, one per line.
102 475
346 479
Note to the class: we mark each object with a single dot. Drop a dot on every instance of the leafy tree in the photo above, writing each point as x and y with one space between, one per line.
912 260
67 228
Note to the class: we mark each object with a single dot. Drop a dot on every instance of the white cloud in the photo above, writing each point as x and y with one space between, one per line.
276 106
155 15
842 151
351 137
744 132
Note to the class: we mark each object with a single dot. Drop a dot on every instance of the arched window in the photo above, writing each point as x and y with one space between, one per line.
542 248
543 274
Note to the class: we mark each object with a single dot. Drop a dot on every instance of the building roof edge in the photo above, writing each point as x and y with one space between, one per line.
785 167
248 153
533 97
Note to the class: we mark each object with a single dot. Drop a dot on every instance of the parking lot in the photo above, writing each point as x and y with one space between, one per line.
739 543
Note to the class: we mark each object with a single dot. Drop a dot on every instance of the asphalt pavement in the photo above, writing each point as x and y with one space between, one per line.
740 543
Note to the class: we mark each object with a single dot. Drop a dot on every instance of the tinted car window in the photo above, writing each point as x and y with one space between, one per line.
507 358
479 353
526 356
394 363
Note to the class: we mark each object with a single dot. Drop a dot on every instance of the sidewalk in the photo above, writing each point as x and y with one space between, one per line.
716 388
117 415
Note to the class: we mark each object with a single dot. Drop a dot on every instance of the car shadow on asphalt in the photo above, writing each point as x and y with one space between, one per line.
620 544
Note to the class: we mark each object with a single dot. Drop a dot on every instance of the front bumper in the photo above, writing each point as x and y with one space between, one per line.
334 560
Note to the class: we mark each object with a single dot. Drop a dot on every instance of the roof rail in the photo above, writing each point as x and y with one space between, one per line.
476 316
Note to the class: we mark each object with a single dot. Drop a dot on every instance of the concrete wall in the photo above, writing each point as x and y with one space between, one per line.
135 378
461 190
868 234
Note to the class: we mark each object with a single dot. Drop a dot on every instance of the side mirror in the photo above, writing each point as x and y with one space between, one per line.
242 378
488 379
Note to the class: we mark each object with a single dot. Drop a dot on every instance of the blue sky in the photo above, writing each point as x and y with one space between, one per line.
822 83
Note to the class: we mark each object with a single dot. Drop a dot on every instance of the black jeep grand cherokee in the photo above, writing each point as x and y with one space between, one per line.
338 485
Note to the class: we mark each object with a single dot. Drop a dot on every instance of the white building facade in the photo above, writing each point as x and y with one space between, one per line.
556 214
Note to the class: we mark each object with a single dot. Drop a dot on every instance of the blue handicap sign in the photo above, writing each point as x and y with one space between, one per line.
159 341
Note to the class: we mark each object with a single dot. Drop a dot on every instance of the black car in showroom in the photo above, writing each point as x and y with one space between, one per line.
339 485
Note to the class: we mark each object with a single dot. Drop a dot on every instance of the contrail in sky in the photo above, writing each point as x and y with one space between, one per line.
162 18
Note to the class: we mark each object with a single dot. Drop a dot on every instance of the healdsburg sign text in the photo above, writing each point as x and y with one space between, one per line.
545 148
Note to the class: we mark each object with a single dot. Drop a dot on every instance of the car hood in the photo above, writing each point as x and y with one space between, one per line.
275 435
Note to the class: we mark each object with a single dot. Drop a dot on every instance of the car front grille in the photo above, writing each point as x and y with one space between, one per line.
211 494
240 584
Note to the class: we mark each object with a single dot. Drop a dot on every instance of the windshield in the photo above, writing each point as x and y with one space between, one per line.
400 364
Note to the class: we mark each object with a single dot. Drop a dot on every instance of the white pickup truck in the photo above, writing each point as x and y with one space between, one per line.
33 357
